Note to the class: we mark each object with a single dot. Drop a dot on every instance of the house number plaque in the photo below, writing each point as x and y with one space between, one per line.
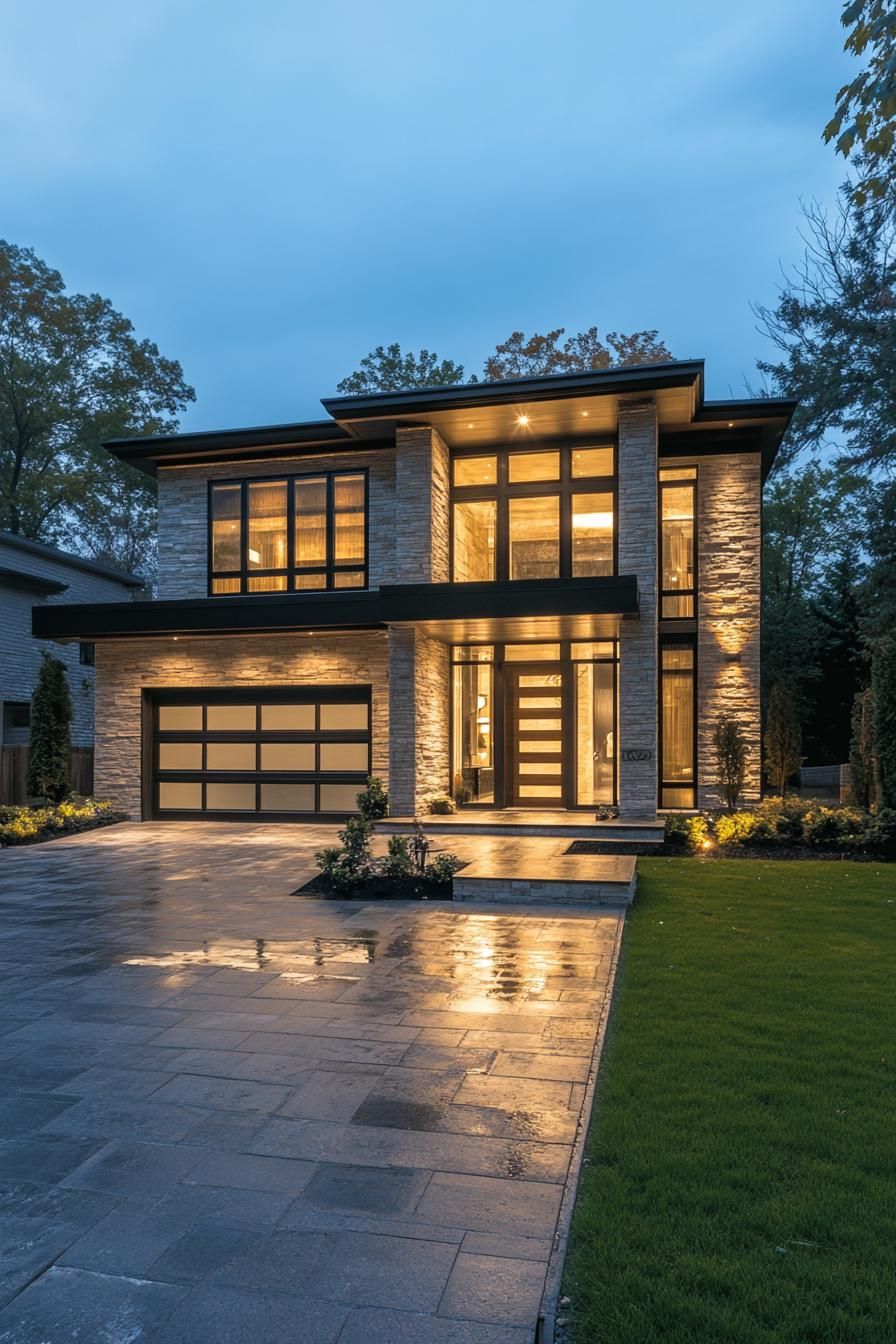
637 754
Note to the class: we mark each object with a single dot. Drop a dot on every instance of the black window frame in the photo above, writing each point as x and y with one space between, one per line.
677 641
667 481
328 570
87 654
565 486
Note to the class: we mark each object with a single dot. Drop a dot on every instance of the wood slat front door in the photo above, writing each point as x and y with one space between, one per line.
537 745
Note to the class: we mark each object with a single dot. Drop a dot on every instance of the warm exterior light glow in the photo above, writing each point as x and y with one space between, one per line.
522 419
730 424
706 844
584 413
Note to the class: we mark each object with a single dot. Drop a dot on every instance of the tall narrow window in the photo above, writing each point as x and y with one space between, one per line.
678 748
266 550
534 535
473 729
226 538
592 535
304 532
678 495
474 540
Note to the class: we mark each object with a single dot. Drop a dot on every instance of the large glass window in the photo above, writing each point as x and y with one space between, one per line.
595 710
535 513
305 533
678 497
677 740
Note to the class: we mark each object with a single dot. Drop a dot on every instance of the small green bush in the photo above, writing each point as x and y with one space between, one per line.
373 801
688 833
879 835
442 804
350 863
442 868
785 816
398 862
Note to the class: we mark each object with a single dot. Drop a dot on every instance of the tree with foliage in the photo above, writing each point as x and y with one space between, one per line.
49 752
73 373
864 117
730 747
386 369
834 327
861 750
883 686
783 739
522 356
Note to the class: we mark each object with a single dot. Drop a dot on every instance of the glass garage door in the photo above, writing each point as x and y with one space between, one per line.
278 753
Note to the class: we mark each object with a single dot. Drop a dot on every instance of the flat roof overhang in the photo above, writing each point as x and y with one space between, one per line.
451 612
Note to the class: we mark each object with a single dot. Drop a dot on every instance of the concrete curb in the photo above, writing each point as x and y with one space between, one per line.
551 1295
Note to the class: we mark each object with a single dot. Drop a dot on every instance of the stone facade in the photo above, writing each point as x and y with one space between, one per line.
729 547
422 501
20 655
127 667
183 514
419 698
637 531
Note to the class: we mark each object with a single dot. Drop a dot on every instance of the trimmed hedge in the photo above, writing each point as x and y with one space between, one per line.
28 825
791 823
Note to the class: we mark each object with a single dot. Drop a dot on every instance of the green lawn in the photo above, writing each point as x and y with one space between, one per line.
741 1177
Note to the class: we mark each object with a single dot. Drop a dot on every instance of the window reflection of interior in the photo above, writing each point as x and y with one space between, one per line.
325 549
677 559
592 534
677 724
472 733
534 537
474 541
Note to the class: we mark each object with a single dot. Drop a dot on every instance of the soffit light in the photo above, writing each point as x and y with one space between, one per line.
522 419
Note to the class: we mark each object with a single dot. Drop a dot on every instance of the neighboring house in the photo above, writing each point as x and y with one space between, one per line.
32 573
532 594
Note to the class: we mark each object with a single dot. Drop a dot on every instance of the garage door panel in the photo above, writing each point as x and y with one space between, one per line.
296 752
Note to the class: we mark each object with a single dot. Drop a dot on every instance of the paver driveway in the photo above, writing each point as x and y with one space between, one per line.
230 1114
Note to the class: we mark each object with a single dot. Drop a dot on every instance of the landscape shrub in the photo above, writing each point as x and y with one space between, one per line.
398 862
350 866
689 833
442 804
834 826
373 801
879 835
442 868
21 824
350 863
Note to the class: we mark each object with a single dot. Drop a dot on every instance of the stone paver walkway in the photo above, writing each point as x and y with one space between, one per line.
230 1114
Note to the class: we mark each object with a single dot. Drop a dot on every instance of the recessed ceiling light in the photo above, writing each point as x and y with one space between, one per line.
730 424
470 425
522 419
584 412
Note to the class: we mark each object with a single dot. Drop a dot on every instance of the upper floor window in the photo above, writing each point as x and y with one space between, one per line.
678 551
295 533
540 513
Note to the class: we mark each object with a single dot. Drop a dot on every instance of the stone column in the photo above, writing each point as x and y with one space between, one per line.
729 545
637 525
421 506
418 720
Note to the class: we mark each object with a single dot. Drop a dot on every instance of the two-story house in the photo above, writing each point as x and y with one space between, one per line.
530 594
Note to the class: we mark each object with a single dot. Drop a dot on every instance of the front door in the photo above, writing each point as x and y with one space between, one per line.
536 738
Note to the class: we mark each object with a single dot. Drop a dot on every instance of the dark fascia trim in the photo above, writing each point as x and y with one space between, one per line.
762 439
550 387
45 552
29 583
209 446
369 610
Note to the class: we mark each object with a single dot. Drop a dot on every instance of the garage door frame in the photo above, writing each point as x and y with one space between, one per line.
154 697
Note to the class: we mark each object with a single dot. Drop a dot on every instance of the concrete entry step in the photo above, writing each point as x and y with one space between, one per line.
573 879
522 822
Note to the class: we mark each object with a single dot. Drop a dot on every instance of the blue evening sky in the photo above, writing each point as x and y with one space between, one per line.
270 189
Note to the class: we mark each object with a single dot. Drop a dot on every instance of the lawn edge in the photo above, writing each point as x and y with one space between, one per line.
554 1277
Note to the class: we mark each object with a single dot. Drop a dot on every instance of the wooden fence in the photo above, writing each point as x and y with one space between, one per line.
14 772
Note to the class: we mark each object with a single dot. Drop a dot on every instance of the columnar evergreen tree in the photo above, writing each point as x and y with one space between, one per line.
49 756
730 748
783 739
883 683
861 750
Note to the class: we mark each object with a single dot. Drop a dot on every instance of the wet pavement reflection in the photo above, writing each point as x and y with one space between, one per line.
215 1089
